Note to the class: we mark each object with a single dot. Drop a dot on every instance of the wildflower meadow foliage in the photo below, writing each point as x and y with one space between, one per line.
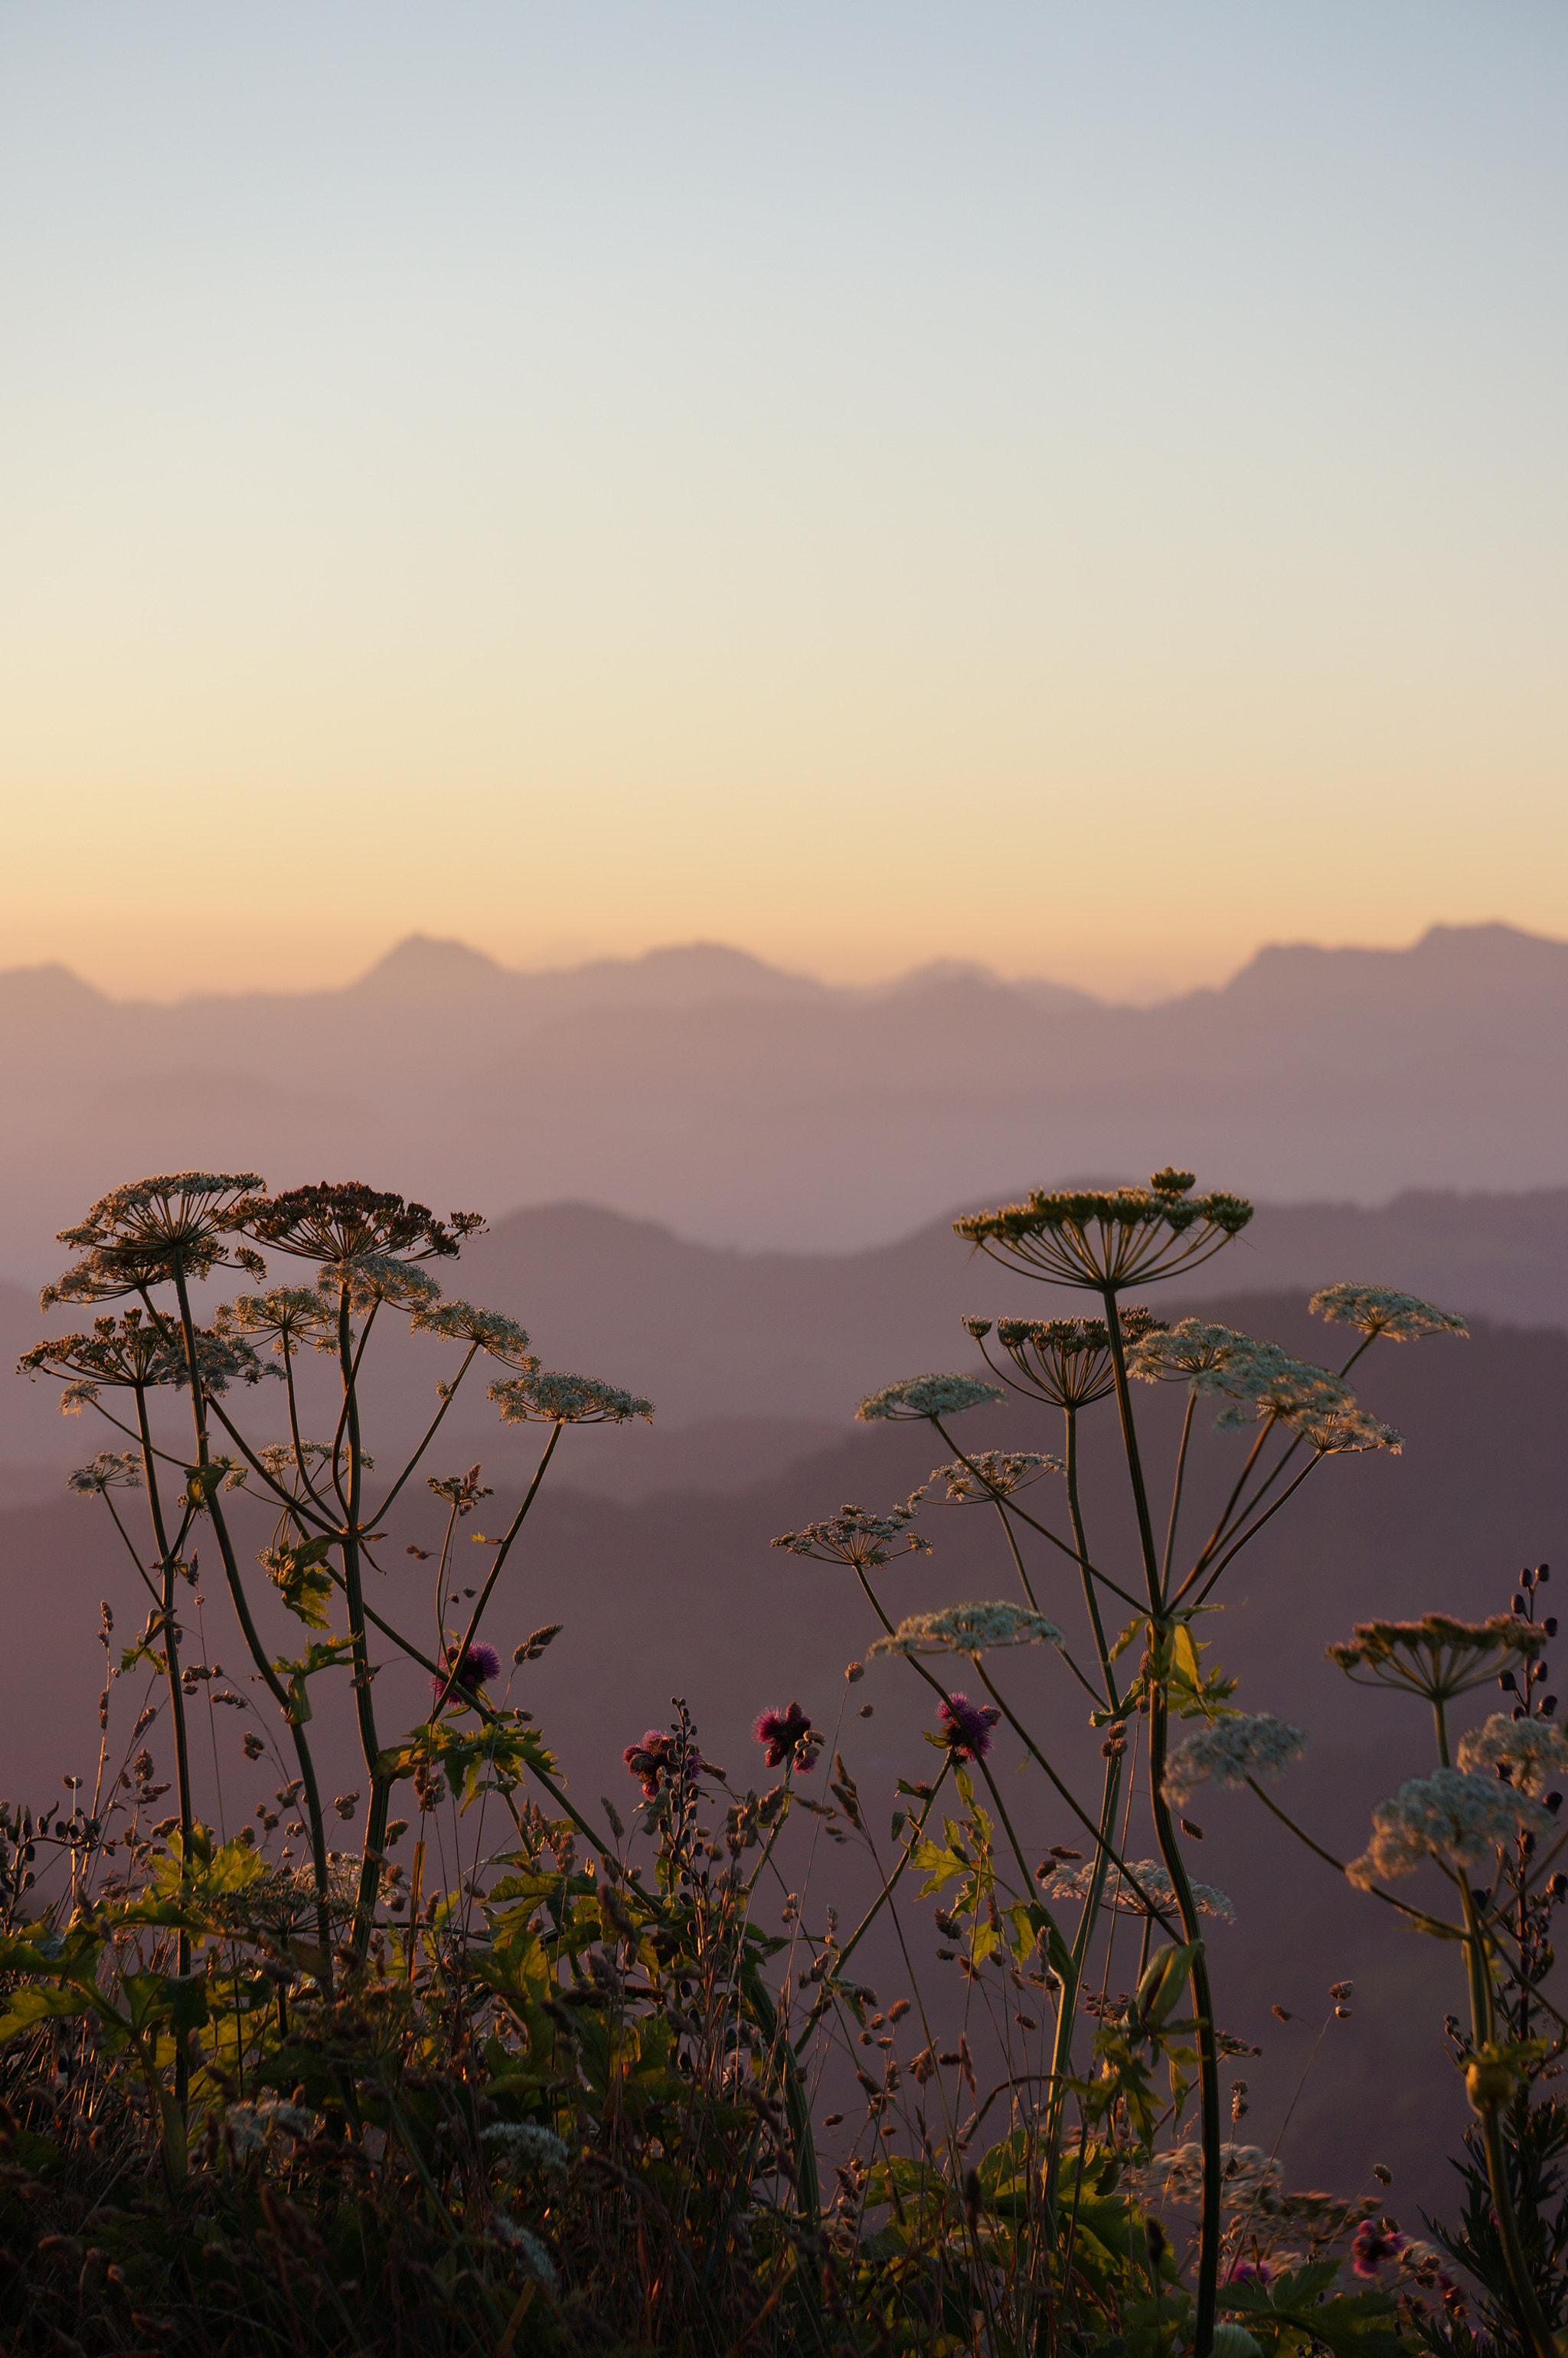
285 2092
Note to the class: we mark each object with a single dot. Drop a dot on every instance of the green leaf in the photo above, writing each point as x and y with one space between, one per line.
298 1576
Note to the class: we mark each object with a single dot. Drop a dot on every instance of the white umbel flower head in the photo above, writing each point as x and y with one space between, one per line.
1244 2172
1452 1816
927 1396
1378 1310
1260 1380
527 2247
1149 1876
541 2148
487 1330
993 1474
1532 1751
856 1537
552 1398
973 1629
1250 1745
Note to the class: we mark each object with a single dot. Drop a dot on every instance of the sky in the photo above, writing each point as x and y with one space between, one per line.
1084 488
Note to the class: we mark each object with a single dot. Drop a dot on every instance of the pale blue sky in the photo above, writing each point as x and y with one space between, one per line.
1083 488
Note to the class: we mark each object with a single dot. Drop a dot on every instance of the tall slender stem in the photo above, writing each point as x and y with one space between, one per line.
1170 1852
365 1706
1203 2008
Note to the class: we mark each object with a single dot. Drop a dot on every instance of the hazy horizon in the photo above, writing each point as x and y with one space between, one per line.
1078 489
537 968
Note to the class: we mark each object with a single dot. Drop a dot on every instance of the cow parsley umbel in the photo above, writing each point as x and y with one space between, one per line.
968 1629
1457 1819
1378 1310
1108 1239
1231 1751
927 1396
860 1539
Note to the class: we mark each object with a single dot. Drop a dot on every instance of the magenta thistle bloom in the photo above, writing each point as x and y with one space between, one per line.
967 1727
1371 2247
649 1760
1260 2273
480 1664
787 1734
656 1759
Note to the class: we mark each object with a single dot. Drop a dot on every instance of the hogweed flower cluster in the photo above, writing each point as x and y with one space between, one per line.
972 1629
290 1314
112 1469
132 1353
1230 1751
1065 1362
1105 1240
1151 1877
1378 1310
993 1474
1437 1657
139 1235
547 1397
459 1322
927 1396
1177 2175
857 1539
1260 1381
1527 1753
1452 1816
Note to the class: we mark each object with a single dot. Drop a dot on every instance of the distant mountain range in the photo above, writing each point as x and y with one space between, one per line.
752 1108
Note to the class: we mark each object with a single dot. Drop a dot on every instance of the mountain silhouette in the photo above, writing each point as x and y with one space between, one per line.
752 1108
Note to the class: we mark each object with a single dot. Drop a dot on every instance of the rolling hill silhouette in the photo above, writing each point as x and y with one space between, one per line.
747 1106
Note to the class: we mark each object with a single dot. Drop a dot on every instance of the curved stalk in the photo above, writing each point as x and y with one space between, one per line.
1537 2330
1170 1852
1208 2052
502 1553
1075 1510
983 1766
349 1358
252 1635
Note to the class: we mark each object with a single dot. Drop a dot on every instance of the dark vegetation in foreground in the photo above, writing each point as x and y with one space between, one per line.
556 2083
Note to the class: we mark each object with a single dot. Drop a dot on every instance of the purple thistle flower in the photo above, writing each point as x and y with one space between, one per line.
480 1664
657 1758
649 1760
1372 2246
967 1727
787 1734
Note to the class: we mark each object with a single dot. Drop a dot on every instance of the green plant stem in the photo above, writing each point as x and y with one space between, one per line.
1067 2013
167 1559
503 1552
431 1432
365 1704
1170 1851
1080 1540
1432 1924
1176 1493
1076 1808
984 1767
302 1753
891 1885
1208 2052
1061 1545
1532 2317
253 1636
